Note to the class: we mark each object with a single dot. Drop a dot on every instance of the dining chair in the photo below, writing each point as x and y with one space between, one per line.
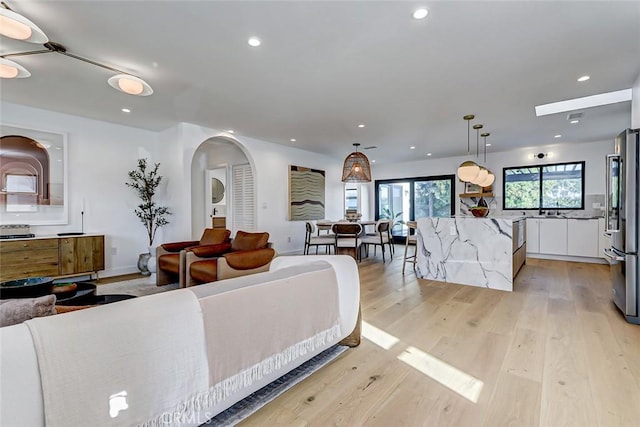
311 239
381 238
347 237
411 240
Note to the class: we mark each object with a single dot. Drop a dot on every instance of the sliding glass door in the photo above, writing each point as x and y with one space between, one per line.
407 199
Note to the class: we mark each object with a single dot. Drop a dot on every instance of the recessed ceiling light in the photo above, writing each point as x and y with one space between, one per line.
373 161
488 144
254 42
230 131
126 110
557 136
573 122
584 102
420 13
412 148
292 140
361 125
428 154
583 78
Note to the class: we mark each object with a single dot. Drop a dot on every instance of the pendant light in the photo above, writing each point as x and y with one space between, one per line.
490 176
483 172
468 170
356 167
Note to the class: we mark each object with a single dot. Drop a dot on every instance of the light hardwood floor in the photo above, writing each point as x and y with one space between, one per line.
555 352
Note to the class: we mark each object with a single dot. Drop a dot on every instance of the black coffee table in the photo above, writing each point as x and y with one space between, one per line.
85 294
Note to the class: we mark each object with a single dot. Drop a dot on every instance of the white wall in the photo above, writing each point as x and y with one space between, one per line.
592 153
270 163
99 157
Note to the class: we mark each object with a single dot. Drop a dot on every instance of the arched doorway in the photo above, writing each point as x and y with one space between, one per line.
222 187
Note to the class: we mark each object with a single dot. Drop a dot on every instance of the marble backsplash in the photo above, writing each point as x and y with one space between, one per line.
495 207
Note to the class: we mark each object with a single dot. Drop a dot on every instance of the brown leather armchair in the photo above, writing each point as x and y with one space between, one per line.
250 253
171 256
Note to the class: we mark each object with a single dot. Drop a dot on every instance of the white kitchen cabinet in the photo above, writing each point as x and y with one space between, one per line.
604 240
553 236
533 235
582 237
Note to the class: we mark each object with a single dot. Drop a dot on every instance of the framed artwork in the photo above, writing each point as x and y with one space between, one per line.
306 193
33 176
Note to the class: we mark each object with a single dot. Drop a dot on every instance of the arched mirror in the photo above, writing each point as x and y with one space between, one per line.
217 190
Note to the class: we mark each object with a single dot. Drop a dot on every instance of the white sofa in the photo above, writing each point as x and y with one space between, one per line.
178 357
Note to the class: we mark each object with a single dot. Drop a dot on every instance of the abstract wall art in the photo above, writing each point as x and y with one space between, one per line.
306 193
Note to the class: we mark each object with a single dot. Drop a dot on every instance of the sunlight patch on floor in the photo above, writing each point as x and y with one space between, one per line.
378 336
452 378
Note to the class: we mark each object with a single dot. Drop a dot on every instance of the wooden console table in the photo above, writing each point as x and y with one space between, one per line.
51 256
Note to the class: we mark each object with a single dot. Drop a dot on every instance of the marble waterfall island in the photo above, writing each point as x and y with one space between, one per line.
485 252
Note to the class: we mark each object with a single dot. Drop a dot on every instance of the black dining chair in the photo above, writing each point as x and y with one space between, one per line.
311 239
381 238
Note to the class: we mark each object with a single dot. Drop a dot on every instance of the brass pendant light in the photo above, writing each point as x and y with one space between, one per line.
468 170
483 173
356 167
490 177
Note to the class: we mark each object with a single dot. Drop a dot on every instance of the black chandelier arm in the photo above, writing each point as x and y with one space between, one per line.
97 64
31 52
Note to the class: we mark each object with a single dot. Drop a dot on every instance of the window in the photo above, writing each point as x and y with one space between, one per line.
556 186
21 184
411 198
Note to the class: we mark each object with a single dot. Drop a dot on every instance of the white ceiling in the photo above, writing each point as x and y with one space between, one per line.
326 66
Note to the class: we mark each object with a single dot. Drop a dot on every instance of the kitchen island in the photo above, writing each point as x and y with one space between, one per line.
485 252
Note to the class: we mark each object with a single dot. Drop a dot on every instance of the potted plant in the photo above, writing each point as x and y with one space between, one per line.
145 181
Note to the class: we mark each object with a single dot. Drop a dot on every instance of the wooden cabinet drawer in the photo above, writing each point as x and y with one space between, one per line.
20 258
28 245
34 270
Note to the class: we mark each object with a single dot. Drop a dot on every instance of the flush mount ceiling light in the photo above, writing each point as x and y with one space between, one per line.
468 170
420 13
356 167
18 27
584 102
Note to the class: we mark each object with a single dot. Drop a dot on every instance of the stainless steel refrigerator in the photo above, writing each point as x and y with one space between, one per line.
621 218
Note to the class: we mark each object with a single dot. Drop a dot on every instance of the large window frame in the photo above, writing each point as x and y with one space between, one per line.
541 173
411 181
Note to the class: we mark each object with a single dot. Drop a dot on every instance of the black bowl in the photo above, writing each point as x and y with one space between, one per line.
26 288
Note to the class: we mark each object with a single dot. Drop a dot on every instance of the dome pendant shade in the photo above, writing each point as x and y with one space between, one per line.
468 171
356 167
488 181
483 174
18 27
12 70
130 85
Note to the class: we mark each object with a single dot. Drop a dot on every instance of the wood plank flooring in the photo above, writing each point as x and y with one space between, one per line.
555 352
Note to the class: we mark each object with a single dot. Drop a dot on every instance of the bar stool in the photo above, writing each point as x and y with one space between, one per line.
411 240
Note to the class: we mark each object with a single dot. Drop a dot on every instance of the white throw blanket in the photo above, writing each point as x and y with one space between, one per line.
78 393
255 330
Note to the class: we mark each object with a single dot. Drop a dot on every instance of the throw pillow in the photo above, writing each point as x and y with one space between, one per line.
14 311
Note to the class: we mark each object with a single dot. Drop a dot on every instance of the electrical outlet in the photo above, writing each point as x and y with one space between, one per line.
452 230
114 251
